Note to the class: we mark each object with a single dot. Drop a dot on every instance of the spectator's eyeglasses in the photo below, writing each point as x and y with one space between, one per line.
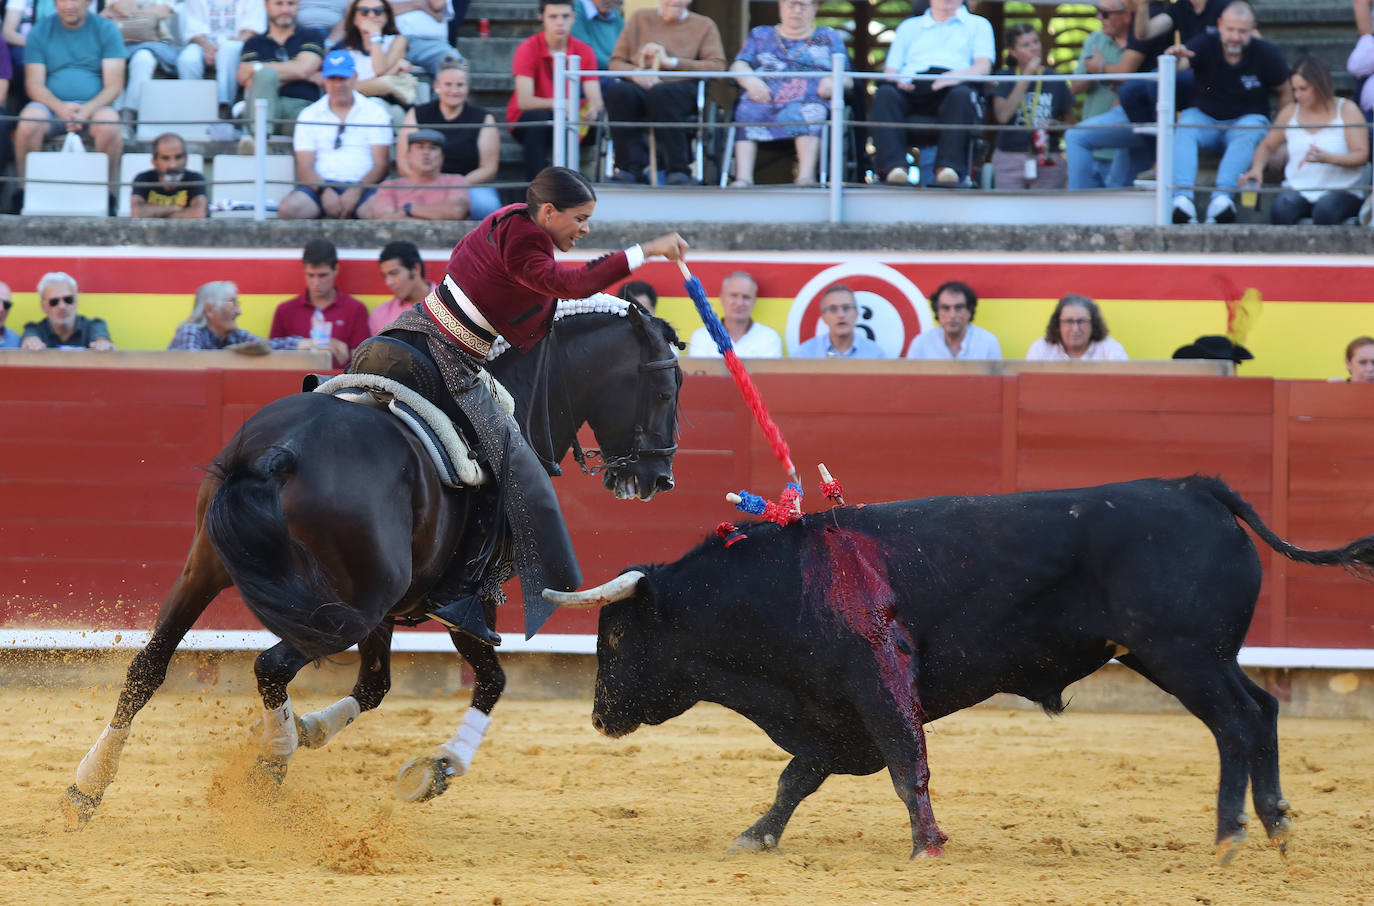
1104 13
1074 322
61 300
7 303
338 136
378 11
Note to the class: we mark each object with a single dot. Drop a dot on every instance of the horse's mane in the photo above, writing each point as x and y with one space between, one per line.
599 303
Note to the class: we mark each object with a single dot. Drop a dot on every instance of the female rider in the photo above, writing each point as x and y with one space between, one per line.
503 280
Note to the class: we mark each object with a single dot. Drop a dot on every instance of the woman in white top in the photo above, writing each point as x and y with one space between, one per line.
1076 331
378 50
1328 146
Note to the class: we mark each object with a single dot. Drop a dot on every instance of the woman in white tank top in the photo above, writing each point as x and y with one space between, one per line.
1328 146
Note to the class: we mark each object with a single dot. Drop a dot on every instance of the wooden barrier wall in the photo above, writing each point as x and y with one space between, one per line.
99 468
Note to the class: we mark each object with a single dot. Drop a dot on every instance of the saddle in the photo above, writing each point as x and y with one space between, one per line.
395 377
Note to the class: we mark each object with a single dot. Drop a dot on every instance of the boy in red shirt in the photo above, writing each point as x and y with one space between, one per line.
530 110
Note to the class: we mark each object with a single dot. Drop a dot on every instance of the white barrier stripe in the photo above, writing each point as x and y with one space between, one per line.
257 640
547 643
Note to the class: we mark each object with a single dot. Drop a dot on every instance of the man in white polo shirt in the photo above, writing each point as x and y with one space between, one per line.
342 144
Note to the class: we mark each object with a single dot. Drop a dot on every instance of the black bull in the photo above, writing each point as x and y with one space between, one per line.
838 636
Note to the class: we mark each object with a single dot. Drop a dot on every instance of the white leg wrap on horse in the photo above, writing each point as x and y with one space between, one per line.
279 732
321 726
463 744
98 768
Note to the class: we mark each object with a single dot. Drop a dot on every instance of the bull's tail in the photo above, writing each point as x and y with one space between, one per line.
1357 557
280 580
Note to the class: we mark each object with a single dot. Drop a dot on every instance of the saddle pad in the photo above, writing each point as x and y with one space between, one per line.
455 462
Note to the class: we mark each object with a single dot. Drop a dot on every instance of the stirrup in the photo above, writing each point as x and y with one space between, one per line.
465 615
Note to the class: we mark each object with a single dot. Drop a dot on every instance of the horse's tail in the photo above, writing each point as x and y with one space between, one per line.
1357 557
279 579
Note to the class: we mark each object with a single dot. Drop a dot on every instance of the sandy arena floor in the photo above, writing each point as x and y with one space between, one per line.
1083 809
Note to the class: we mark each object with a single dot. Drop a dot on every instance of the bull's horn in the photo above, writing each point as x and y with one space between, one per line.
618 589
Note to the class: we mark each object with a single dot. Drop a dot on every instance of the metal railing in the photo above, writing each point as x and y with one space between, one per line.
567 86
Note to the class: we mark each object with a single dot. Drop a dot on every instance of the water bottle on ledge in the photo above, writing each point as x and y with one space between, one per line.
320 330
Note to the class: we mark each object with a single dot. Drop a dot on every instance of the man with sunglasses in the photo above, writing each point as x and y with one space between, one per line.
8 338
64 328
343 147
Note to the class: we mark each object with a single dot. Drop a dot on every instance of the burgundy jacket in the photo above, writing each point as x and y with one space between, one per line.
509 273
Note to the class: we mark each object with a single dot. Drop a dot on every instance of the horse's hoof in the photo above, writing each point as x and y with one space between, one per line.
267 774
746 843
78 808
1282 835
424 778
930 851
311 732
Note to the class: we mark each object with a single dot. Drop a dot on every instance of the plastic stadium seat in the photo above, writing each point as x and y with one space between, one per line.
134 163
59 183
186 107
231 182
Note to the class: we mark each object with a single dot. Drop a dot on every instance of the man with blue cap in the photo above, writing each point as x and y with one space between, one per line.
342 144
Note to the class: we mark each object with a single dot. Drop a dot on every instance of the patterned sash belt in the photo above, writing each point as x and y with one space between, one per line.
459 319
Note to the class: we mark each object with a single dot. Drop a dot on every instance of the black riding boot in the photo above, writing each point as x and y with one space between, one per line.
458 604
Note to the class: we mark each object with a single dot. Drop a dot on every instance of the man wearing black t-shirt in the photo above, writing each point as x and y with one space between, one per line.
168 190
282 67
1236 76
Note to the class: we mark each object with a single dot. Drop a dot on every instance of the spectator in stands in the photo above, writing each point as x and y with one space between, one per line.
670 38
1185 18
1360 64
472 146
752 340
63 327
73 73
215 31
1076 331
425 26
427 195
169 190
379 54
640 293
1029 158
1114 129
1102 49
146 27
530 110
1359 360
947 40
280 66
342 145
1235 73
346 316
598 24
6 79
9 339
214 324
1326 157
839 339
404 274
794 44
955 304
324 16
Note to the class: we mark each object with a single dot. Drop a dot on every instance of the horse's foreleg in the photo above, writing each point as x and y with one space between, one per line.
201 579
374 681
427 777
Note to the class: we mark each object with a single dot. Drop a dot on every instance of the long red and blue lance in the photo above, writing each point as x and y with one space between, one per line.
790 505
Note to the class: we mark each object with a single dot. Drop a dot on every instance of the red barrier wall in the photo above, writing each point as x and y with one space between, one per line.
99 468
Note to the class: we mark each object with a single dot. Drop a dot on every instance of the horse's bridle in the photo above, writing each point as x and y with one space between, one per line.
638 448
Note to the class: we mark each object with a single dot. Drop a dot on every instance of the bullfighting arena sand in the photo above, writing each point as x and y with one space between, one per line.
1085 808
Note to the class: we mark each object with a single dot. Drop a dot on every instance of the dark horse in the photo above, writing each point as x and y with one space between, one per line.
333 520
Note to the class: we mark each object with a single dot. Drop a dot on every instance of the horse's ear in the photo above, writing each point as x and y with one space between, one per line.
636 319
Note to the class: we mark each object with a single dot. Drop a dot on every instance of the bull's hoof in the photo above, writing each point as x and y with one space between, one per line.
929 851
78 808
747 843
266 774
424 778
1227 847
